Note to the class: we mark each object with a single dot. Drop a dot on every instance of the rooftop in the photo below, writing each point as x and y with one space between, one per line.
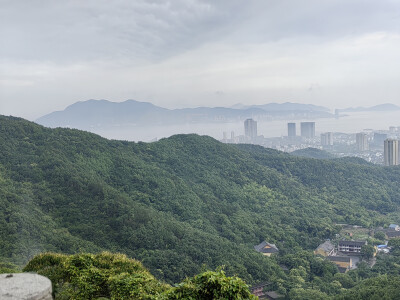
326 246
392 233
352 243
265 247
340 258
273 295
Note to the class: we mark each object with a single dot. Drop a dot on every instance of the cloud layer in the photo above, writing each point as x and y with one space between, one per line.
191 53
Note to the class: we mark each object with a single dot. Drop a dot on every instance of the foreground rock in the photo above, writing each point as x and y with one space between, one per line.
24 286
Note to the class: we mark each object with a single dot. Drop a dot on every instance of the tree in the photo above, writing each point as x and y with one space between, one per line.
395 246
380 287
300 294
211 285
394 243
379 235
90 276
114 276
367 251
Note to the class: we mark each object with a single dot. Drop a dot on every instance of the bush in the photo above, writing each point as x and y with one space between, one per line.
114 276
87 276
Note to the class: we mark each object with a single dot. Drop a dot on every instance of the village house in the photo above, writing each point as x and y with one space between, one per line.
325 249
266 249
391 234
351 247
342 262
260 289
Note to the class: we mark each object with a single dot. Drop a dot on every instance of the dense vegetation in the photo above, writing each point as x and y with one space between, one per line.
114 276
313 153
185 204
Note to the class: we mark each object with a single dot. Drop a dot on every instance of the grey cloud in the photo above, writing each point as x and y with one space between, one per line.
275 20
183 52
74 30
81 30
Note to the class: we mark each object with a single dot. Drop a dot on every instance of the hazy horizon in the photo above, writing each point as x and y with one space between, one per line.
197 53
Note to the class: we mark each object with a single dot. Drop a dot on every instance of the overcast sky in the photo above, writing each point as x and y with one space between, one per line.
186 53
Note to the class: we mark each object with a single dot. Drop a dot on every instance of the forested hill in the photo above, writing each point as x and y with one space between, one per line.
179 205
313 153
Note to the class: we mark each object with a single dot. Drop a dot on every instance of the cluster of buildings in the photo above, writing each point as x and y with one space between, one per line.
380 147
390 146
307 130
344 256
250 134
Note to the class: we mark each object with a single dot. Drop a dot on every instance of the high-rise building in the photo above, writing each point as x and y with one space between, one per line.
307 129
391 152
379 138
225 136
327 139
250 128
362 142
291 129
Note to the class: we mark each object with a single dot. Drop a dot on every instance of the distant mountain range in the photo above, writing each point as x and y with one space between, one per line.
287 106
106 114
380 107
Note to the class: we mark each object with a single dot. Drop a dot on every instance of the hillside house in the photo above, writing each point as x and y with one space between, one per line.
266 249
351 247
394 227
260 289
383 249
342 262
325 249
391 234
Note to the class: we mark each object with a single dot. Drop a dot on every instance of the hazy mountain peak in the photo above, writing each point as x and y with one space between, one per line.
379 107
105 114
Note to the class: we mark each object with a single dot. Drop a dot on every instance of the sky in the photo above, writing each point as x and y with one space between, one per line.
189 53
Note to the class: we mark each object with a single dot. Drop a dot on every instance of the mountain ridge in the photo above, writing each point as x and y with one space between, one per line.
103 113
377 108
180 203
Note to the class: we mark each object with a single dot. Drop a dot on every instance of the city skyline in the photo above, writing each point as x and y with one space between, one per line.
376 146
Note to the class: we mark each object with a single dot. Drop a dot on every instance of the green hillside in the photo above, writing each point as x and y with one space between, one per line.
182 204
313 153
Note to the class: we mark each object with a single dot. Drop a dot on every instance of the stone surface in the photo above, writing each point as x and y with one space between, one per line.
24 286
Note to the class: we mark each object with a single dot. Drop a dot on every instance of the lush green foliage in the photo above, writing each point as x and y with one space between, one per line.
8 268
186 203
367 251
114 276
379 235
381 287
88 276
313 153
211 285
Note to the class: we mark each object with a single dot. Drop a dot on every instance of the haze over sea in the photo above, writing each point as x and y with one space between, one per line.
350 122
